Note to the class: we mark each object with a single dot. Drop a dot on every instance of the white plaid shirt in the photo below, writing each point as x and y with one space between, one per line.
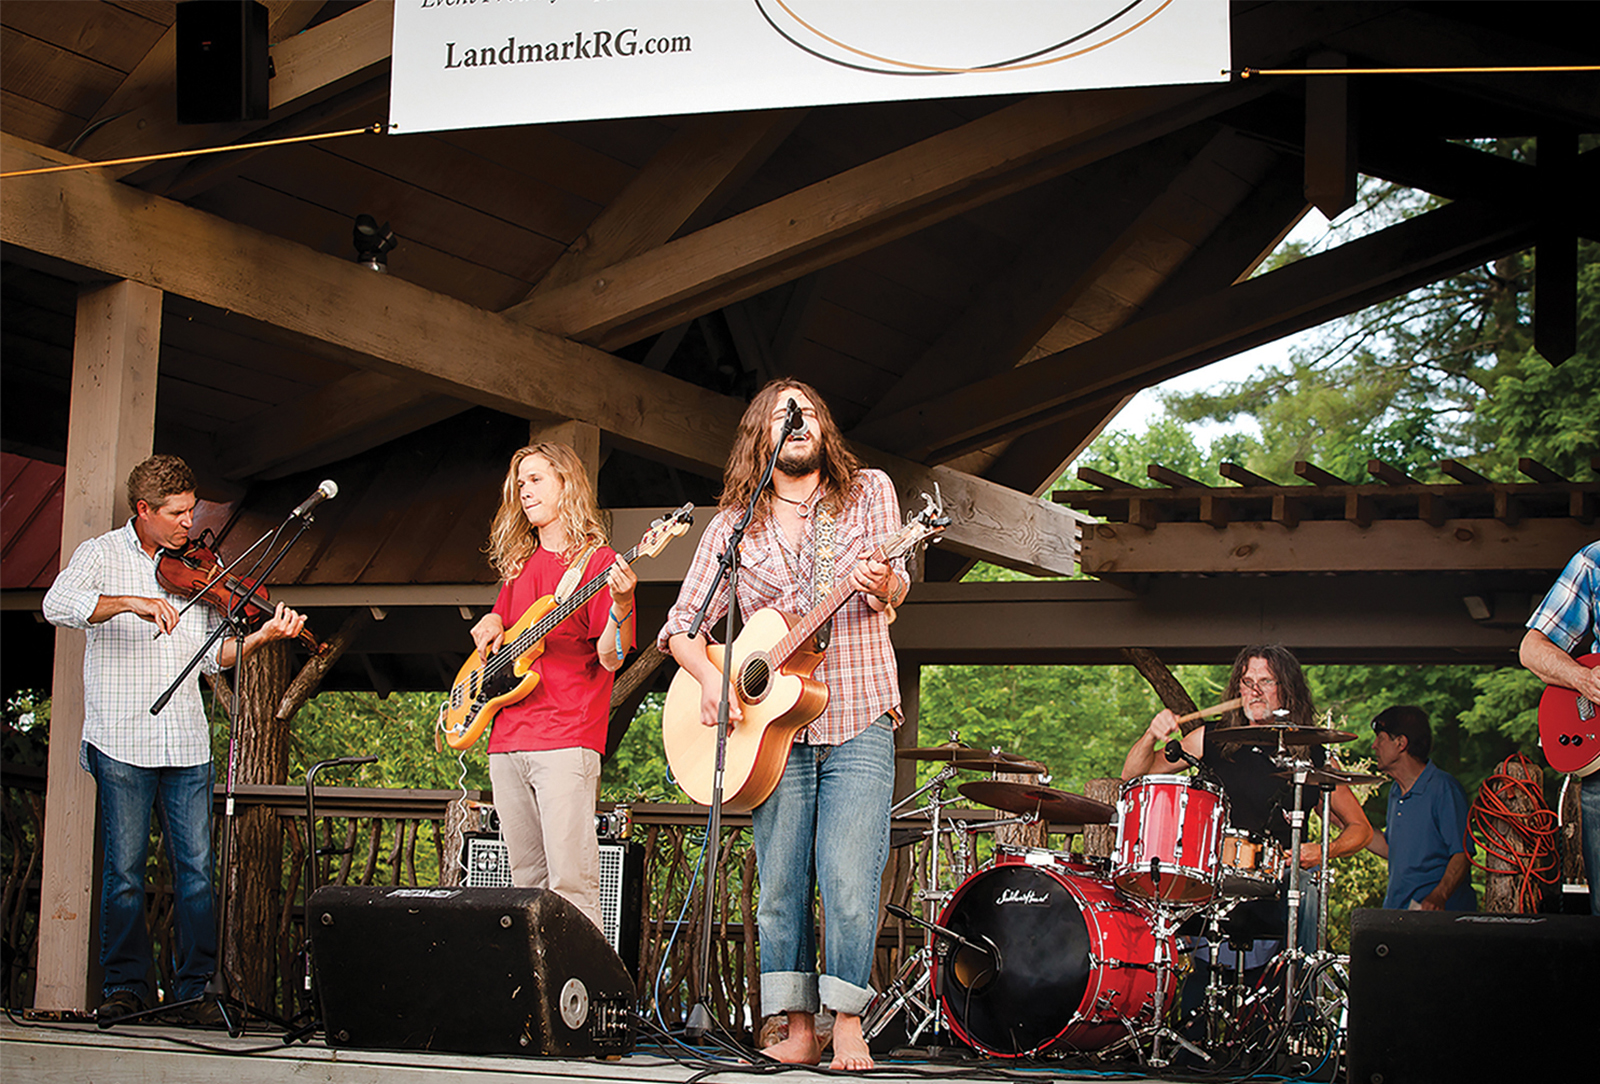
859 666
1571 610
124 669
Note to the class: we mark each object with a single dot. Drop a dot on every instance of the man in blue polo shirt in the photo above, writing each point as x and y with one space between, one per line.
1424 839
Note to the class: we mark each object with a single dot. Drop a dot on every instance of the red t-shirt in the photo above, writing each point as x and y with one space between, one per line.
571 705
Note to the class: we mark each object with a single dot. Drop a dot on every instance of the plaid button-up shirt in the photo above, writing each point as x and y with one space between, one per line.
125 667
1572 608
859 666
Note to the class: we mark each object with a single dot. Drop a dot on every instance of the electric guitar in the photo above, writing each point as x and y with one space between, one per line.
1569 733
482 687
774 657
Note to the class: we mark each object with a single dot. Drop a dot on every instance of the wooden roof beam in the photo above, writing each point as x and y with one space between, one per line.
907 190
396 328
1303 294
683 185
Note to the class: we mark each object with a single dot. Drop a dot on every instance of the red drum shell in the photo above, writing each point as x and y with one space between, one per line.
1169 838
1075 962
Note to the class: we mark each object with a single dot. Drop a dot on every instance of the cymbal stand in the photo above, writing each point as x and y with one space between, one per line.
1164 1042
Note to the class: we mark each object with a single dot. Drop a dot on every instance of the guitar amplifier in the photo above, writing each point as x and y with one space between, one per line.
488 865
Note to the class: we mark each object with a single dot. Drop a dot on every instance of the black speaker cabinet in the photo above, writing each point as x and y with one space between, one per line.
222 62
1453 997
471 971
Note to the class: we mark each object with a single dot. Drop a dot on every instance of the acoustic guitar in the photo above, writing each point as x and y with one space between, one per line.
1569 734
483 687
774 657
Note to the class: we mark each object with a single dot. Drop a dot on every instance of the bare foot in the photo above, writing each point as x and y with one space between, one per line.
795 1050
850 1050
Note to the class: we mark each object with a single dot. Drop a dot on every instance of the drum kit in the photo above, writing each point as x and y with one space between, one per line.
1043 953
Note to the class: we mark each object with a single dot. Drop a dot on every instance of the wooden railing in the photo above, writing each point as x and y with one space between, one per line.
413 837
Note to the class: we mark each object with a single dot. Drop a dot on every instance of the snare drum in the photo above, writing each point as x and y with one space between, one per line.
1064 963
1249 868
1169 835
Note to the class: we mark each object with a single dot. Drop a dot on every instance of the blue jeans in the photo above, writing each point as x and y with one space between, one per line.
1589 806
827 825
181 798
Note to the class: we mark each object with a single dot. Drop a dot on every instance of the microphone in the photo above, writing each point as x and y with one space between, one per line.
1176 751
795 423
327 490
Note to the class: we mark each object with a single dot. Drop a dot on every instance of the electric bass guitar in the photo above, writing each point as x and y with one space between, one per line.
1569 733
482 687
774 657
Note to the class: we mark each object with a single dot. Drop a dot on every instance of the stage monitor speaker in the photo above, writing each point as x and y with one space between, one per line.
1453 996
222 61
488 865
471 971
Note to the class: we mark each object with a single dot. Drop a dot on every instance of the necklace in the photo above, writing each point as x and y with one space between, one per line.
802 508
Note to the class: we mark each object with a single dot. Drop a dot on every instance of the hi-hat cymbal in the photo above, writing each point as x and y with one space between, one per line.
1332 777
980 760
1056 806
1275 735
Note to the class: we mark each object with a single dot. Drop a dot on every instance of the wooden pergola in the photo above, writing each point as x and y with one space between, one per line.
976 285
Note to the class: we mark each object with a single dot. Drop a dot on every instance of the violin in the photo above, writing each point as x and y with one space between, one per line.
195 571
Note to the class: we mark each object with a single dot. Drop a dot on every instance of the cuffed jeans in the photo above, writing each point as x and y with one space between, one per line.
827 825
181 798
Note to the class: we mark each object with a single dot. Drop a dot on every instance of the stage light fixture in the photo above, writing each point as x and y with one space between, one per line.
373 243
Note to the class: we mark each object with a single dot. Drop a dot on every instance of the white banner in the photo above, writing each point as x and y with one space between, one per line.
481 63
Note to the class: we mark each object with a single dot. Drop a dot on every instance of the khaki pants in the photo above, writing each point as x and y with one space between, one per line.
546 805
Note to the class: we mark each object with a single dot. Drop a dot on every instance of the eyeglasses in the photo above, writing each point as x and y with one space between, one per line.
1265 685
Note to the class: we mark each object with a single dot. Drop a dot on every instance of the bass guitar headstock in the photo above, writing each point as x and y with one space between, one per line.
664 530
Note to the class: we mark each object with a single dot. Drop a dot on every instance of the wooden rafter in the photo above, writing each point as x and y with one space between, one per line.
387 325
907 190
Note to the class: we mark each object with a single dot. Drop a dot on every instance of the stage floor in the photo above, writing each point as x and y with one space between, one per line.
80 1053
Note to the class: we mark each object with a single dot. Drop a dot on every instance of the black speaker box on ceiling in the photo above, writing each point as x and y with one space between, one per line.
1453 997
472 971
222 62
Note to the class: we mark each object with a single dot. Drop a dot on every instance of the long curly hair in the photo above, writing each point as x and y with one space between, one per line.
512 539
752 447
1294 695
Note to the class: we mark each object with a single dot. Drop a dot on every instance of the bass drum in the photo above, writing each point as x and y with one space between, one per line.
1064 961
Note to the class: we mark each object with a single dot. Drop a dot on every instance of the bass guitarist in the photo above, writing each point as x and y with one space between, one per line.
822 508
1568 618
544 750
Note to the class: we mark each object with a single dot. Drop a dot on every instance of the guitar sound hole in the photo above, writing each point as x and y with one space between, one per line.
754 679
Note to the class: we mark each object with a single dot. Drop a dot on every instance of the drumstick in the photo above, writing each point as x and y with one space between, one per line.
1186 723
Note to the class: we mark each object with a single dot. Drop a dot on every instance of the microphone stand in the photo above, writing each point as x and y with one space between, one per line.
700 1020
216 990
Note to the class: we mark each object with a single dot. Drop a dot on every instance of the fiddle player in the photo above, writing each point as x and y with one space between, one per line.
141 761
545 750
1270 681
827 822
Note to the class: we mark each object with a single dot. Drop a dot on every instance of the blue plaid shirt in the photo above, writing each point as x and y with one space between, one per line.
125 667
1571 610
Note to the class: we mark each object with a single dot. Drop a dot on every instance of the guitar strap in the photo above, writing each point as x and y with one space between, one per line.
822 569
569 579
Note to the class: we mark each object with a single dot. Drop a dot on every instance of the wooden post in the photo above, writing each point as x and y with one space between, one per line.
1570 845
1503 883
1099 840
110 430
261 755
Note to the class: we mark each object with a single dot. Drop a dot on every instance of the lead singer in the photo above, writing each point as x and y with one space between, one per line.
827 823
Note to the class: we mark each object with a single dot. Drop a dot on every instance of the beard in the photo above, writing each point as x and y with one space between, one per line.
801 461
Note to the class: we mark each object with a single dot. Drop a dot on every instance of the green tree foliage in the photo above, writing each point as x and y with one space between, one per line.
398 729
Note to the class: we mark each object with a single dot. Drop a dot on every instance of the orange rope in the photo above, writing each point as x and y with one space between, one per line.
374 128
1246 73
1523 840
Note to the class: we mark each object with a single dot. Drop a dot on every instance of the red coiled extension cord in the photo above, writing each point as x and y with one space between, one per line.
1523 840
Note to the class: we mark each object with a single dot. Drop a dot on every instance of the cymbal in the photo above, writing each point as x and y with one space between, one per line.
1287 735
980 760
1332 777
1056 806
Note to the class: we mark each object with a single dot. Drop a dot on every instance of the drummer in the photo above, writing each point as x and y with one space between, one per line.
1273 688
